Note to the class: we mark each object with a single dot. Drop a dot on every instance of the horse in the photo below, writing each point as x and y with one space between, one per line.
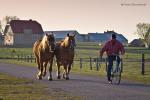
44 53
64 53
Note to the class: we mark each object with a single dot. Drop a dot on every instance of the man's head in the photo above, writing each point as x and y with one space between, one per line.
113 36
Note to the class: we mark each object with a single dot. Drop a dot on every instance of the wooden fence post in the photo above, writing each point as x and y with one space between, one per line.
121 65
90 63
143 65
80 63
28 58
31 58
18 57
97 65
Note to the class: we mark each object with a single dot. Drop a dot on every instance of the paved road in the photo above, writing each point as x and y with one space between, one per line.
88 87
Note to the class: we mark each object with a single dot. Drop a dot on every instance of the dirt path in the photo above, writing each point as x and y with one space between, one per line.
88 87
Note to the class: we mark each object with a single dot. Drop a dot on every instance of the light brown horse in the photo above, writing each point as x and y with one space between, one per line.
64 52
44 53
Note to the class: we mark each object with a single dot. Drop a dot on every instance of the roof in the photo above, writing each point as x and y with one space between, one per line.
18 26
102 37
98 37
137 42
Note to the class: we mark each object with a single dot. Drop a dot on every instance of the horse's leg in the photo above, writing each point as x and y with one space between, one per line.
50 69
58 70
66 73
41 70
38 65
44 70
69 67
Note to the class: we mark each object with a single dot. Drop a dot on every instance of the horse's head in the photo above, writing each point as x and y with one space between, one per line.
50 39
71 41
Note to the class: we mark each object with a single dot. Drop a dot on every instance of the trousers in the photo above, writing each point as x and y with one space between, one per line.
110 59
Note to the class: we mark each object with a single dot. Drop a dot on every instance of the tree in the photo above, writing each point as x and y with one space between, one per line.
0 27
143 30
7 19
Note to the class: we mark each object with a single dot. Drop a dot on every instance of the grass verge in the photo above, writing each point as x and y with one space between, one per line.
13 88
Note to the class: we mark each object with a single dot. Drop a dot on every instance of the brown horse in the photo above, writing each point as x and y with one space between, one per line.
44 53
64 52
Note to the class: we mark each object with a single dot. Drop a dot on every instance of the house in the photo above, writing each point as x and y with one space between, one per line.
60 35
137 43
22 33
1 39
103 37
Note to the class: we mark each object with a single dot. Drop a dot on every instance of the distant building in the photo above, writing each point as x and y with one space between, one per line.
22 32
103 37
83 38
60 35
1 39
137 43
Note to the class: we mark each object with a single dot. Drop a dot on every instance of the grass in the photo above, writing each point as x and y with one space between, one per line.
13 88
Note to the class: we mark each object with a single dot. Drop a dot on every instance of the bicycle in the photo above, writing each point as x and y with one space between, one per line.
116 70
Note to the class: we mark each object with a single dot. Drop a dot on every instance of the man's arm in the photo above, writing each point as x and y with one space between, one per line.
102 50
122 50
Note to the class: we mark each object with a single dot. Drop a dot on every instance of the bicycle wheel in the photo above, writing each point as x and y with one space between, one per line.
116 76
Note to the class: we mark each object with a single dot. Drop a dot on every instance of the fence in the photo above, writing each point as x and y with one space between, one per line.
91 61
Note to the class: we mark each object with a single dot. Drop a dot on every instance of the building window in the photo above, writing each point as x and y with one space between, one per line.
28 31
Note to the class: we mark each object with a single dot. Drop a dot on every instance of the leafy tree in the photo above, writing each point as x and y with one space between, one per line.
143 30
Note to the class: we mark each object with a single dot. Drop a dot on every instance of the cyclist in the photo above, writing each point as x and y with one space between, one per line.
112 47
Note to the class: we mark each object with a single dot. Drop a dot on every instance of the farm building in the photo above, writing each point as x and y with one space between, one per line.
60 35
103 37
22 33
137 43
1 39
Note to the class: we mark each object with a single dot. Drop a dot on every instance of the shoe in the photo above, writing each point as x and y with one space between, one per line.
110 82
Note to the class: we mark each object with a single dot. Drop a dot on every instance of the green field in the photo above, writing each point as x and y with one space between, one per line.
131 70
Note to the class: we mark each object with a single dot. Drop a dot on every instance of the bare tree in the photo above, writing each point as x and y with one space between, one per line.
7 19
0 27
143 30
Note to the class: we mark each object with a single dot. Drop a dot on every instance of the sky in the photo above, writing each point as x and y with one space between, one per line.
85 16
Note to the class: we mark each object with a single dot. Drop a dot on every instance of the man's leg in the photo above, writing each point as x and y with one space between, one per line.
118 60
110 64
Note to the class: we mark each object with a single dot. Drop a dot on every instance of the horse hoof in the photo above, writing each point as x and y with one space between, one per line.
39 78
67 78
44 74
49 78
58 77
64 76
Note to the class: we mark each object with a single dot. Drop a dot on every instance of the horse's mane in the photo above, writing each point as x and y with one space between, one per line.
44 42
65 43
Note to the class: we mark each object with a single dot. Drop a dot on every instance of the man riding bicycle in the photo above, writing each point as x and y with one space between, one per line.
112 47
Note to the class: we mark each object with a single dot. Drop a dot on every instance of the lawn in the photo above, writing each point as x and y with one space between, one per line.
13 88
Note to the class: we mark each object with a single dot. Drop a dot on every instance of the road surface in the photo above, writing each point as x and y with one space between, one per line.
88 87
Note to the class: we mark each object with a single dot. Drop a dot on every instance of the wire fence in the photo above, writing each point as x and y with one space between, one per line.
92 63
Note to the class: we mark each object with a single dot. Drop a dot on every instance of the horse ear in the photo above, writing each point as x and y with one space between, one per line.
68 34
74 35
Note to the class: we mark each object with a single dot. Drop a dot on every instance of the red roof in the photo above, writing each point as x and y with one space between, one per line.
18 26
